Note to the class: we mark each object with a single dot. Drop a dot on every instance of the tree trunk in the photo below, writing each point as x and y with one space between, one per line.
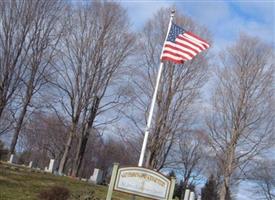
1 108
26 102
79 155
224 191
84 139
225 188
150 160
19 126
67 149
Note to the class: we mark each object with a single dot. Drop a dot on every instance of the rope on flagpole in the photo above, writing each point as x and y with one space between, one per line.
146 134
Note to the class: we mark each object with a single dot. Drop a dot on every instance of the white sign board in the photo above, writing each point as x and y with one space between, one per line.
142 182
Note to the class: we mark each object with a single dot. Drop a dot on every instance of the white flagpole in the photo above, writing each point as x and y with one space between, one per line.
142 154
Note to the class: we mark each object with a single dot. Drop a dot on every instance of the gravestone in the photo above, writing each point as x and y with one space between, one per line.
12 159
30 164
52 166
97 176
192 196
186 194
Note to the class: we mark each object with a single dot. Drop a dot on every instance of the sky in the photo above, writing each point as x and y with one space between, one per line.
224 19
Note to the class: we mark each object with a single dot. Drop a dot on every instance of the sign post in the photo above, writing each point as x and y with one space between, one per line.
172 188
112 181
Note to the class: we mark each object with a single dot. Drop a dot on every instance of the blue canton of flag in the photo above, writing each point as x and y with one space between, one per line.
174 32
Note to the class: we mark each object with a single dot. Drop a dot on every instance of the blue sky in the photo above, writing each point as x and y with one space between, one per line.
224 19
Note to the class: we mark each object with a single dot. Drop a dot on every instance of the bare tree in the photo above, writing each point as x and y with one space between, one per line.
263 176
178 89
97 44
43 36
114 150
189 156
43 136
7 120
93 155
241 122
15 24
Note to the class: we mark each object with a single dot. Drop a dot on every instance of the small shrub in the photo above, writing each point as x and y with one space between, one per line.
54 193
88 195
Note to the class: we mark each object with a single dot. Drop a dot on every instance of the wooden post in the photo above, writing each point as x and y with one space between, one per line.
172 188
112 181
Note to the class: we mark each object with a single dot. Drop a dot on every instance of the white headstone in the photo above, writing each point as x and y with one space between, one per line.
192 196
97 176
52 166
186 194
46 169
30 164
12 159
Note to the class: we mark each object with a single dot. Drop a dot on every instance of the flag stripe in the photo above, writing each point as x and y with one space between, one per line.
188 40
173 58
183 47
188 45
178 47
168 58
203 41
177 53
195 41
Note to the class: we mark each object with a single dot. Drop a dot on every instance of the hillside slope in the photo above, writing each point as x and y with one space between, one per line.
21 183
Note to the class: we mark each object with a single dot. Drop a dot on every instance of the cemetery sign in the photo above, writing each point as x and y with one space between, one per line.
142 182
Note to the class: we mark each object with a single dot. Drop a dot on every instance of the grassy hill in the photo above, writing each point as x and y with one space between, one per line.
21 183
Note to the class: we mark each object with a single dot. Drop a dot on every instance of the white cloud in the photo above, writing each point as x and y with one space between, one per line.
206 12
264 9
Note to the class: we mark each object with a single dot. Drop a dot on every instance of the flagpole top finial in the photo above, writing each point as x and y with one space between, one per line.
173 12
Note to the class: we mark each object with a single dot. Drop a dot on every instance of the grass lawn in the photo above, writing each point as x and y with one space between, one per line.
20 183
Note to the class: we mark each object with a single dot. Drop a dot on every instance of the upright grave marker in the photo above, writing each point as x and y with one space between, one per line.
192 196
186 194
52 166
12 159
30 164
97 176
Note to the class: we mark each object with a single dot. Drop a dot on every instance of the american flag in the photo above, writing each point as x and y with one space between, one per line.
181 45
